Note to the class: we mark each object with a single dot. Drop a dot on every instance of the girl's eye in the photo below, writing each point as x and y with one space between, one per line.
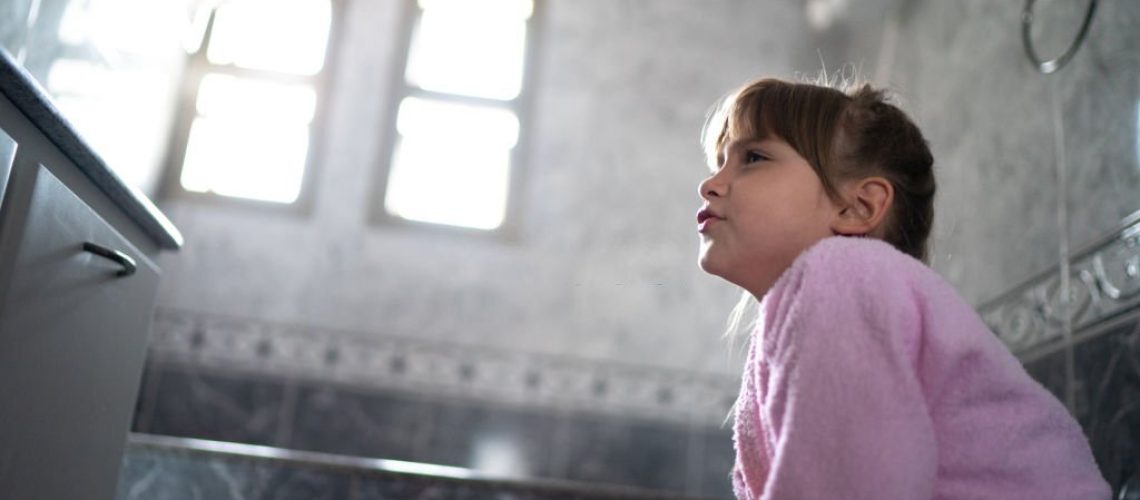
754 156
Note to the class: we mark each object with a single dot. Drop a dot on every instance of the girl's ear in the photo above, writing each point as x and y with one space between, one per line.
867 202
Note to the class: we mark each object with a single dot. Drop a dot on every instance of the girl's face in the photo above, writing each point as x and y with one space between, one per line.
764 205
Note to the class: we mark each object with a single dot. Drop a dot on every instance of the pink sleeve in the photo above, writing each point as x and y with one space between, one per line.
842 400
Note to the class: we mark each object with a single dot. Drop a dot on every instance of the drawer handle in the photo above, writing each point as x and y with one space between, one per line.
119 257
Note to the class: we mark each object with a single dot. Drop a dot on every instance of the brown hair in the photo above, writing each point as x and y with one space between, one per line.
843 135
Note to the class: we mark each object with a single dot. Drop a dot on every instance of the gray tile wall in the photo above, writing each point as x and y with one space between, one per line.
186 401
174 471
989 117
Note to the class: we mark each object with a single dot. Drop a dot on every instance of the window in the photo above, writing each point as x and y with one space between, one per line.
254 87
114 77
456 129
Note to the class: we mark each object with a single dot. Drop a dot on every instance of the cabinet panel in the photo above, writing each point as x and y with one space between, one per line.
73 336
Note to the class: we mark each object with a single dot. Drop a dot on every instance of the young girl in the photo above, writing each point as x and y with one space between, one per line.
868 377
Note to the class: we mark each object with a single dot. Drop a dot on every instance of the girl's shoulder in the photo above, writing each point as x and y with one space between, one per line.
855 254
843 278
856 263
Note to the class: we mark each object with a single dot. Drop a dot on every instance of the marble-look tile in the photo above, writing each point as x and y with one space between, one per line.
1099 91
961 72
290 482
393 486
190 403
175 475
378 425
153 475
647 455
718 457
498 441
1108 370
385 487
1049 371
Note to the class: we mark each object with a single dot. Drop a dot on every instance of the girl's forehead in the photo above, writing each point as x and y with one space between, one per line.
739 142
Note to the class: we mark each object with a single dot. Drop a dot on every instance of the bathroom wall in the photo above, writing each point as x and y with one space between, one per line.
1035 171
596 310
592 327
990 120
603 265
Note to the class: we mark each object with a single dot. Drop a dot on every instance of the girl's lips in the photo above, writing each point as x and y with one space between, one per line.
703 226
704 223
705 218
705 214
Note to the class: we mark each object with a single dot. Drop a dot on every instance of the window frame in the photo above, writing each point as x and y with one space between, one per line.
399 89
196 69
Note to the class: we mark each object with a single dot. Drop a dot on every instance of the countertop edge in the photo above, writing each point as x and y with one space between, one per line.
32 100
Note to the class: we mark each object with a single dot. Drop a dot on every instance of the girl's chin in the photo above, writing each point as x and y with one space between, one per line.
709 265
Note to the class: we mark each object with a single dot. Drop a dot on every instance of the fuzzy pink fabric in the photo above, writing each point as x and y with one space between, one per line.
870 378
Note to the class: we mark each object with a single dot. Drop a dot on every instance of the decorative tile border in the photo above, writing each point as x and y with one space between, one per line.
1104 282
504 377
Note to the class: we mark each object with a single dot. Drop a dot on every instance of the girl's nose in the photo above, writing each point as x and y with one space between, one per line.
712 187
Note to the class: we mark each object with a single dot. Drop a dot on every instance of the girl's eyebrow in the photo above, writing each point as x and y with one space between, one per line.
758 143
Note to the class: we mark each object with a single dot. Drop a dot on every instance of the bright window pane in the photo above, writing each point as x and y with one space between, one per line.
427 184
470 48
116 111
252 157
451 164
115 27
225 96
275 35
458 124
521 9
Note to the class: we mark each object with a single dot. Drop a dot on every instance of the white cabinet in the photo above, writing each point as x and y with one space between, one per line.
77 286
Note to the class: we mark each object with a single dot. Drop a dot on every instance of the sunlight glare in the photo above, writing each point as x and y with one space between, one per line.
112 27
274 35
451 164
470 48
108 107
230 96
251 157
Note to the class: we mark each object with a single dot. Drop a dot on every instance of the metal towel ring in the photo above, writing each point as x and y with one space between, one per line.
1052 65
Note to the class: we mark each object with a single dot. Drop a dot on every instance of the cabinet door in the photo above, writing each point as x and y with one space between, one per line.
73 337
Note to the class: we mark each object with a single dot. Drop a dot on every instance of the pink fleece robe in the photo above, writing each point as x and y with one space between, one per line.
870 378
